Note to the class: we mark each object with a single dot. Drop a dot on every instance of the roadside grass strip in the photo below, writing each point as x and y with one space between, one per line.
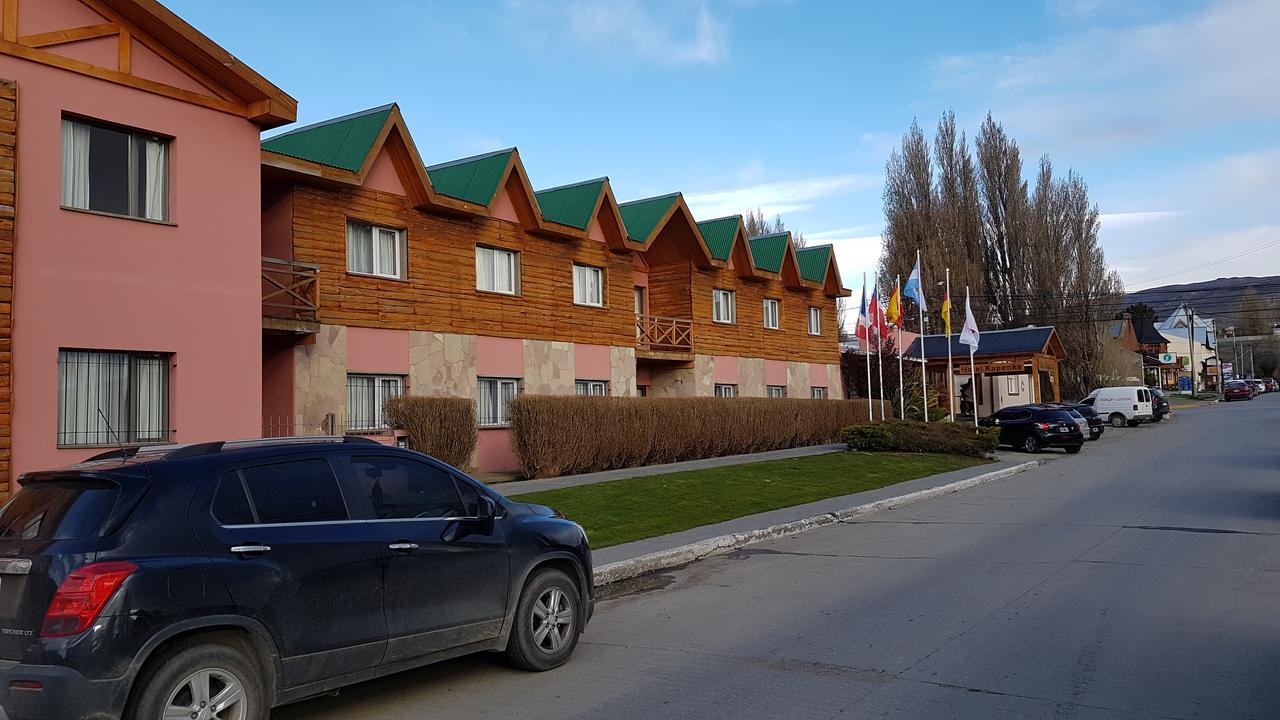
622 511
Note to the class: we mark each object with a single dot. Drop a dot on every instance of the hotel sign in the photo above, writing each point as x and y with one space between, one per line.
991 368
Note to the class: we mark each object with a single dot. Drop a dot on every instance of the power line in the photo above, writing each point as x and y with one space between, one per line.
1212 262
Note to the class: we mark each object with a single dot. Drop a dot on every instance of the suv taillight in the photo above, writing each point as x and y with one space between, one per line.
82 596
1043 426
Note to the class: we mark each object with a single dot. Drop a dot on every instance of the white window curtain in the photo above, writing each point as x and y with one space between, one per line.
110 397
771 314
492 398
722 306
148 400
359 248
157 180
587 285
484 269
75 164
497 270
504 272
388 252
361 403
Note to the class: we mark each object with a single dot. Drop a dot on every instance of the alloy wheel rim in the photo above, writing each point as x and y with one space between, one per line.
208 694
1029 444
552 620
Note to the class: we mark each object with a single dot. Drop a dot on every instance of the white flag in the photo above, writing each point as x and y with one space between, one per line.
969 333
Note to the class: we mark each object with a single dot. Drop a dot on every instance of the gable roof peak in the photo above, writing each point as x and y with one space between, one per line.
472 158
332 121
580 183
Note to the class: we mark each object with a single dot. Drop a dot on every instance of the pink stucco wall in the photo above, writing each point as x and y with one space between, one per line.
775 372
383 175
591 362
494 452
594 232
818 375
372 350
148 64
503 209
725 369
277 222
87 281
499 357
41 16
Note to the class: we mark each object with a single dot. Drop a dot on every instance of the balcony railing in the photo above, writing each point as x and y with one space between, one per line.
289 293
664 334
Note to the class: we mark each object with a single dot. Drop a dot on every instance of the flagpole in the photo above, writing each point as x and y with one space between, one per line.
973 378
924 380
951 378
870 416
879 356
902 401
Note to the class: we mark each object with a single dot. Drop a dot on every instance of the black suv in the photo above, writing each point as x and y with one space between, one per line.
1034 427
1096 424
1159 405
217 580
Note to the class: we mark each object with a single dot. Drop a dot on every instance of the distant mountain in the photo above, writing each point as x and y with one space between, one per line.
1209 298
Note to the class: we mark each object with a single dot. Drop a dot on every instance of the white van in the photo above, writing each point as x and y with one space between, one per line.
1121 406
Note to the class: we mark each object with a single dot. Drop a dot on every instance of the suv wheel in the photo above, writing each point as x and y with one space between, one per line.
204 681
546 624
1118 420
1031 444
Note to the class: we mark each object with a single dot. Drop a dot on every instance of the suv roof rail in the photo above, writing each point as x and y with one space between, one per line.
176 451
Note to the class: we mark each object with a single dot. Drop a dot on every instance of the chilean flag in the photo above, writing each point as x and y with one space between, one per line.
876 315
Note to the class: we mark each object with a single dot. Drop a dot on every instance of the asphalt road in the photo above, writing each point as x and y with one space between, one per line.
1139 579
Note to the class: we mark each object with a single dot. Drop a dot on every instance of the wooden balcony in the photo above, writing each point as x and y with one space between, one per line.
290 298
664 338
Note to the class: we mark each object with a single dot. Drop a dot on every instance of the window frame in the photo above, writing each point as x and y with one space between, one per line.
815 320
819 392
117 436
515 270
599 286
781 391
776 305
716 295
379 400
725 390
402 250
131 171
589 385
502 420
449 473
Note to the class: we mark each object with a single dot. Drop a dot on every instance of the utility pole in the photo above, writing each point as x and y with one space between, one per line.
1252 373
1191 345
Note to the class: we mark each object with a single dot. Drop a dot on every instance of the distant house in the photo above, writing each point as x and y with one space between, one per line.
1011 367
1193 340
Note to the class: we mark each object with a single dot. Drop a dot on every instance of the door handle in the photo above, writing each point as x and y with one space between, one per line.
250 549
403 547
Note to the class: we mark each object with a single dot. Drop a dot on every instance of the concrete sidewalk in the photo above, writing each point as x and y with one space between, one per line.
564 481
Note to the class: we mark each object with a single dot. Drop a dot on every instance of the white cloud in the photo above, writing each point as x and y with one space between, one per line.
1115 85
672 34
777 198
1226 254
1122 219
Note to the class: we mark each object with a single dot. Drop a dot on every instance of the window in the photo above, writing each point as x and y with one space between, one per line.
771 313
818 393
297 491
1013 384
402 488
375 250
815 321
726 391
640 304
588 285
723 308
106 398
491 401
497 270
367 397
776 391
591 387
113 170
642 391
73 508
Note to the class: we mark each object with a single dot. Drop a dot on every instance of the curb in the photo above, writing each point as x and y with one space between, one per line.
685 554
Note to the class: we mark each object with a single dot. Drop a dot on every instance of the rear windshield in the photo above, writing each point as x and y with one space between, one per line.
58 510
1055 416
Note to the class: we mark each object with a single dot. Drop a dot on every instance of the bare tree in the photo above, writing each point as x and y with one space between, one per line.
757 224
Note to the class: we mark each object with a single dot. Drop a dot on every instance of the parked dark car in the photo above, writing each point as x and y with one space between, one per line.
1237 390
220 579
1159 405
1272 384
1035 427
1096 424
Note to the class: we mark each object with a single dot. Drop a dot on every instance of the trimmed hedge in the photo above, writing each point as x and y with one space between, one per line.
444 428
560 435
921 437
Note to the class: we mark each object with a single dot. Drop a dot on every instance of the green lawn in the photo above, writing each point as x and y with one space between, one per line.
621 511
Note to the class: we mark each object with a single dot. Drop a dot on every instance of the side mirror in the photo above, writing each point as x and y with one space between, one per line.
488 509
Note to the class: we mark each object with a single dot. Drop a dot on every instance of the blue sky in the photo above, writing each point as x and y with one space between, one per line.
1169 109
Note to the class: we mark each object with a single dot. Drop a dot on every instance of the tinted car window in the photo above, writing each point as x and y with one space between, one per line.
403 488
58 510
470 497
230 503
294 492
1055 416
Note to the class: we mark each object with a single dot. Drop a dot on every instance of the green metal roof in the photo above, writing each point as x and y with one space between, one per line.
571 205
642 216
342 142
768 250
473 179
719 234
813 262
